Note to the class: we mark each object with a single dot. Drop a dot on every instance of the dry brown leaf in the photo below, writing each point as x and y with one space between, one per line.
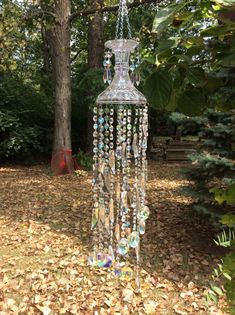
44 309
150 307
179 311
127 295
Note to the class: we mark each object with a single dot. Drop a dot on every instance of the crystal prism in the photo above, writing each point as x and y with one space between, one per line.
123 246
134 239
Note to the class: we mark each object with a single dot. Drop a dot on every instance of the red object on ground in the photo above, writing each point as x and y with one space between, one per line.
62 162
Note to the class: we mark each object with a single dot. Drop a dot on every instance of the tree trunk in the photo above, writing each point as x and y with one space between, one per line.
60 50
95 55
96 36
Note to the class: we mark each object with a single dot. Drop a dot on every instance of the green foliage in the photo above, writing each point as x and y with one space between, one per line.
187 124
90 85
226 239
191 103
228 219
215 291
227 195
198 52
25 120
16 140
158 89
165 16
84 160
210 166
212 163
87 84
229 266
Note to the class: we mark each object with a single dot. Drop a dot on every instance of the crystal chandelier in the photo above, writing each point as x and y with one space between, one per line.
120 167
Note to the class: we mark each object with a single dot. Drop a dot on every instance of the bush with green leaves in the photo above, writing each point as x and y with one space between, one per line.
87 84
225 270
212 175
26 120
84 160
16 140
213 164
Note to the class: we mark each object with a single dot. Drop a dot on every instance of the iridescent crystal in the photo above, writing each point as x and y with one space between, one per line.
109 75
126 225
123 246
103 260
144 213
108 262
134 239
92 259
105 76
101 120
117 269
142 226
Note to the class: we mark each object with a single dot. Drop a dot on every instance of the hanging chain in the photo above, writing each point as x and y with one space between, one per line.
122 18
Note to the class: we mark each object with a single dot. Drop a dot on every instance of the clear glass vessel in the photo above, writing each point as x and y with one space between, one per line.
121 90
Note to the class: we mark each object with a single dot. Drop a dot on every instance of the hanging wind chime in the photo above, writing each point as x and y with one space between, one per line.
120 166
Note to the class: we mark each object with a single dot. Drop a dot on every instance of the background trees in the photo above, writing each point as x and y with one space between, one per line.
46 44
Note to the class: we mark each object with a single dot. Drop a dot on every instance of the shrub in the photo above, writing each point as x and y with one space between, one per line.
16 140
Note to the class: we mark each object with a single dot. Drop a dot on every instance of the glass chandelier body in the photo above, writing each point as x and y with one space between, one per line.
120 134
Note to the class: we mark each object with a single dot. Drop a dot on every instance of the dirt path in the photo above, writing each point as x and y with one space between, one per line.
44 242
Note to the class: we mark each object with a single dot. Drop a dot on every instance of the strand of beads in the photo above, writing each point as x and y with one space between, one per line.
100 256
128 163
144 149
135 154
112 167
137 72
134 68
118 156
143 212
107 76
92 259
141 223
123 246
134 237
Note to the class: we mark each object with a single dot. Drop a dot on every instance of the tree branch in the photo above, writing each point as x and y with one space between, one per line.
113 8
40 14
76 55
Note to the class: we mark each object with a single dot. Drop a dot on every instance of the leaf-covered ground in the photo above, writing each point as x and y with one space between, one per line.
45 238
